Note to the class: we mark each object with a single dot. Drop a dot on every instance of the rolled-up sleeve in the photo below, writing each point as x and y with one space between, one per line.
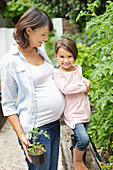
9 92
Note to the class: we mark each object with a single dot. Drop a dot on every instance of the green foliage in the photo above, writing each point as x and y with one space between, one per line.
100 64
35 145
63 9
110 166
16 8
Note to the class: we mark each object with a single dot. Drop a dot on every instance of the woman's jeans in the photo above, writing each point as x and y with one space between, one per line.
52 150
81 138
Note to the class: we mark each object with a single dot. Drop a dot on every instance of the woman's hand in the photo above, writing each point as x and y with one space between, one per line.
25 143
14 120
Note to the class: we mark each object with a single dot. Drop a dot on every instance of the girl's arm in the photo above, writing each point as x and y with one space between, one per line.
66 87
87 83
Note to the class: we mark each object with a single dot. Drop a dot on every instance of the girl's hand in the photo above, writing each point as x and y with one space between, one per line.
88 84
25 143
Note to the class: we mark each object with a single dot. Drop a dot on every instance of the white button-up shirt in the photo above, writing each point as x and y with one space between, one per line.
16 81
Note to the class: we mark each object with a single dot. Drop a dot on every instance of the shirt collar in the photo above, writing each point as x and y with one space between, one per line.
14 49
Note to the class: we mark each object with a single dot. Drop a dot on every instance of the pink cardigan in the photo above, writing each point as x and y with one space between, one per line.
77 107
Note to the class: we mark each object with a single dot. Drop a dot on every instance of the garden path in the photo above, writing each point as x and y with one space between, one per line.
12 157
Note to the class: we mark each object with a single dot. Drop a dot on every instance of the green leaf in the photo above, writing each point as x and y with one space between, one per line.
31 150
38 145
111 99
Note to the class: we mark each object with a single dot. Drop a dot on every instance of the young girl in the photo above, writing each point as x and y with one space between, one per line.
75 87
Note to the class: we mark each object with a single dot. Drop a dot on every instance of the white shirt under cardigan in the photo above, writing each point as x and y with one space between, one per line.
16 80
50 103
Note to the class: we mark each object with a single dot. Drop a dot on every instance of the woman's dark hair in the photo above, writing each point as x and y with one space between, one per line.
67 44
33 18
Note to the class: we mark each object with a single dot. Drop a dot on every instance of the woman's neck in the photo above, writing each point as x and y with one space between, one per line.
27 50
31 55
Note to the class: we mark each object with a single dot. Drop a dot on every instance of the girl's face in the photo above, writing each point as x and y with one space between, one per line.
37 36
65 59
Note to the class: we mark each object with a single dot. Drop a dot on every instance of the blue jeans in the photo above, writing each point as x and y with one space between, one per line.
52 150
81 138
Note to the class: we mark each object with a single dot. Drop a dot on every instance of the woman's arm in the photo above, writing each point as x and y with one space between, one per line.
14 120
9 93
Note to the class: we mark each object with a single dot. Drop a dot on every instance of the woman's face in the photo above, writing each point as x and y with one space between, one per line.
37 36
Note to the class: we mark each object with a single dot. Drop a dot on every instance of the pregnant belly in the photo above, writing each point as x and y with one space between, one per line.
50 99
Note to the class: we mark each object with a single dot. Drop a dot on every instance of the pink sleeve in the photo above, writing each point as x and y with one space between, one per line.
84 79
65 86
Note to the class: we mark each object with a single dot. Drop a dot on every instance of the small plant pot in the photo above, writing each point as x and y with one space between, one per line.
38 159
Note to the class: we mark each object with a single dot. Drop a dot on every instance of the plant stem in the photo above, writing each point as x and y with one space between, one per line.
109 36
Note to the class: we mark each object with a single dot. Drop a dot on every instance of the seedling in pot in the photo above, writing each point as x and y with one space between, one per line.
36 148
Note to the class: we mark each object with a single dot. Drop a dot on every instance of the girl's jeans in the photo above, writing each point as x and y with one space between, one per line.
52 150
81 138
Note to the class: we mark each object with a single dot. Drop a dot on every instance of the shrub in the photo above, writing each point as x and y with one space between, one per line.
100 29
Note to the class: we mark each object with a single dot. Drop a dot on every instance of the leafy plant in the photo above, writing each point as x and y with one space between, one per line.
110 166
35 146
100 64
63 9
15 8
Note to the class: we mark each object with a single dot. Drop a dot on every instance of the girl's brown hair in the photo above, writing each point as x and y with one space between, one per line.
33 18
67 44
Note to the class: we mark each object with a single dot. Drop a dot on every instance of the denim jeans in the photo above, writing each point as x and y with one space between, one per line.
81 138
52 150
